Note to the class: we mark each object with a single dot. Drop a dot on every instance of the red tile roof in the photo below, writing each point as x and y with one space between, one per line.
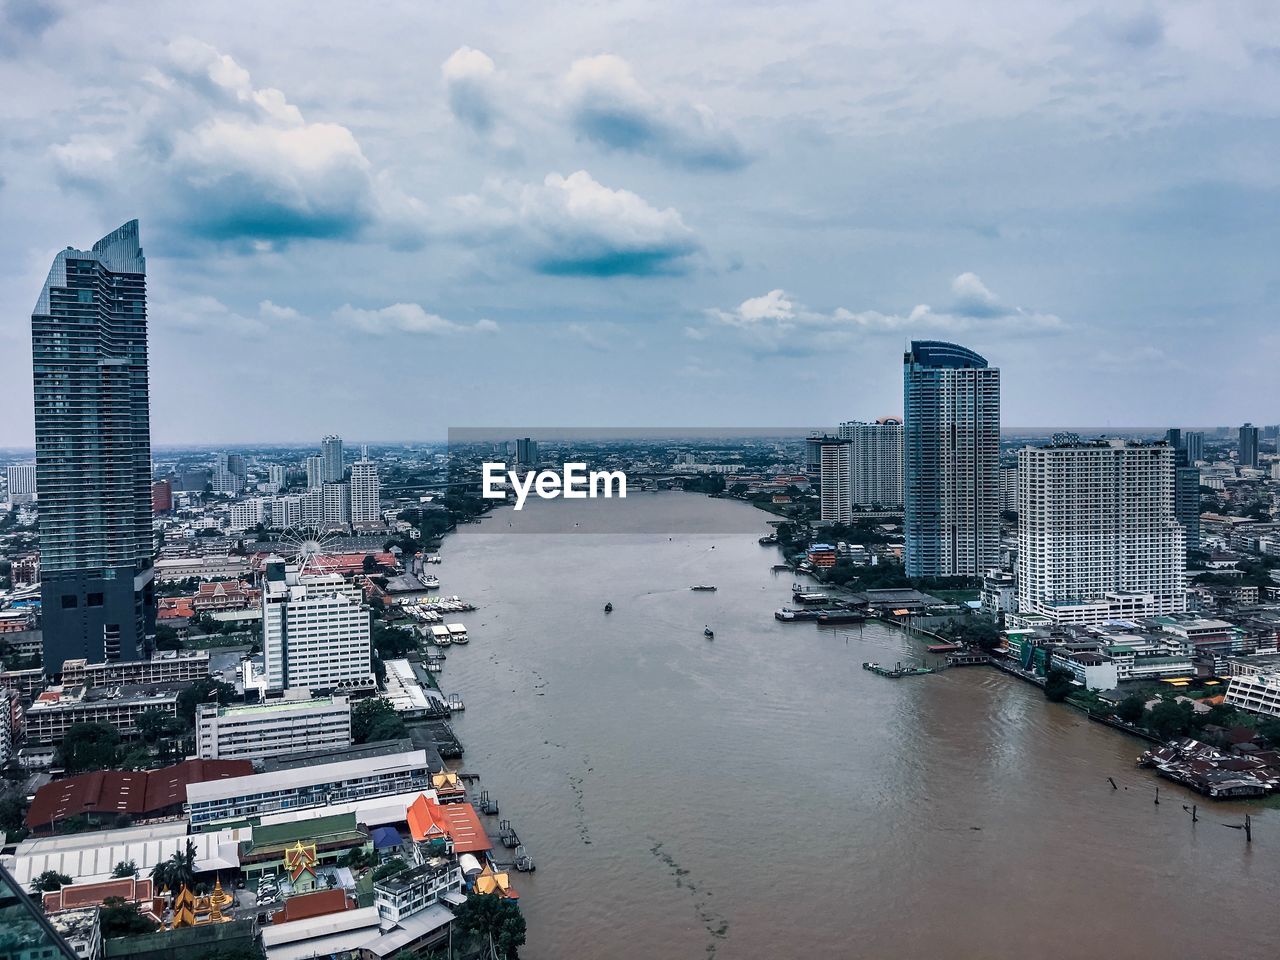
126 791
459 820
309 905
75 895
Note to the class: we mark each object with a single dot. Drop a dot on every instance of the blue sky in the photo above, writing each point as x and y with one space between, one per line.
386 224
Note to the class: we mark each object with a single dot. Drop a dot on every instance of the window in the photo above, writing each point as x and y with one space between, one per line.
93 600
69 601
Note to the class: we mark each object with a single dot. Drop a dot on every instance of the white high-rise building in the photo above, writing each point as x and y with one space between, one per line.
834 465
247 514
315 472
366 492
315 630
1008 488
223 479
22 483
1097 534
331 458
875 461
311 508
337 503
276 477
286 512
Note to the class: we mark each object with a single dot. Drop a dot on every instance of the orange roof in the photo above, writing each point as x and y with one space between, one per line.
458 821
498 883
310 905
75 895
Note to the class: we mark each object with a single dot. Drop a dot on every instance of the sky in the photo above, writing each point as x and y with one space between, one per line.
388 221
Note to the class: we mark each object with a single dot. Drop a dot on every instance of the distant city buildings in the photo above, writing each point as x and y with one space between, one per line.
1097 534
875 462
162 496
224 479
21 483
93 452
1249 446
527 451
315 631
331 469
337 503
315 472
276 477
951 441
1193 444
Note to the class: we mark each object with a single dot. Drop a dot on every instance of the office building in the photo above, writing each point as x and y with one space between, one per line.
291 725
162 496
248 514
21 483
875 462
59 708
1249 446
315 631
1193 444
315 472
93 452
1186 500
276 477
223 479
526 451
835 484
331 470
299 788
1097 535
951 452
366 493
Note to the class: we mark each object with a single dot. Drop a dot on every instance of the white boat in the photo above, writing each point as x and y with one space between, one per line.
440 636
457 632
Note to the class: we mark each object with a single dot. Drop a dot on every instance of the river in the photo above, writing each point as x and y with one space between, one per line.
759 795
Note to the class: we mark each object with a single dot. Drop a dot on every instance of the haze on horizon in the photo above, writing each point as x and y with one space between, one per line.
391 224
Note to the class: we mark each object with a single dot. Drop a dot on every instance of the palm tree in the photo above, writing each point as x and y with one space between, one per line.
177 870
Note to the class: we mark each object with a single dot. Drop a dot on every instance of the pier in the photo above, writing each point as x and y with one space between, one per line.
899 670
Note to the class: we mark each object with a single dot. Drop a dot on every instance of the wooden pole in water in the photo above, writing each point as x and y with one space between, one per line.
1194 817
1248 828
1112 781
1157 796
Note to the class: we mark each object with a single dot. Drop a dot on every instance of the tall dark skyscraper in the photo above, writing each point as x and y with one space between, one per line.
93 453
1248 445
951 455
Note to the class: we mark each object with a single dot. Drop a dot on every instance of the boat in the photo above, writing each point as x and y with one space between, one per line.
708 633
702 586
608 608
457 632
841 616
768 540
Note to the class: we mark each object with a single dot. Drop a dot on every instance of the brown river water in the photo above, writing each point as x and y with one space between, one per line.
759 795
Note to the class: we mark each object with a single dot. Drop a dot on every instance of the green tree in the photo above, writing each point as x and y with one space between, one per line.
1169 719
375 719
391 867
369 564
1270 730
89 746
118 918
48 881
125 868
13 813
204 690
496 921
179 869
1058 684
167 638
151 724
1132 709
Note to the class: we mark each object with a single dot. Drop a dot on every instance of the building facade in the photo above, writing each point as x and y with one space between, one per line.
835 486
1097 534
268 729
875 462
366 493
951 453
93 452
1249 446
331 470
315 631
21 483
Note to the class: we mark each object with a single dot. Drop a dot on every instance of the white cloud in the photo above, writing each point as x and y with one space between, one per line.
609 106
471 86
776 322
406 318
208 316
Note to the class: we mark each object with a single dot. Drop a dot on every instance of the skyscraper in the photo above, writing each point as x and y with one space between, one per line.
526 451
875 462
366 492
951 452
315 472
93 453
331 470
833 466
1097 535
1193 443
1248 445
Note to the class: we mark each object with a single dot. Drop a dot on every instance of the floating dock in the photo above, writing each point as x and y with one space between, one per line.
899 670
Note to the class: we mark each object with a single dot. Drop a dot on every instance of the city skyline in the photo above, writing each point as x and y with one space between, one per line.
566 192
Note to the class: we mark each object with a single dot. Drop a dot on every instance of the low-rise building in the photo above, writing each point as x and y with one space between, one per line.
81 930
58 708
266 729
999 593
1258 693
166 666
169 569
415 888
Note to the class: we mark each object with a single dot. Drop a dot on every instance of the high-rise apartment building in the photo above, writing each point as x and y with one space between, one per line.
835 487
21 483
1097 534
276 477
162 496
93 453
315 472
223 478
875 462
315 631
331 470
366 492
1193 443
1249 445
951 453
1008 487
526 451
337 503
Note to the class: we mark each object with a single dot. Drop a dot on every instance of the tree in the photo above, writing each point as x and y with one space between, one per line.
375 719
1132 709
496 920
1169 719
49 881
167 638
125 868
204 690
118 918
13 813
392 642
179 869
151 724
390 868
89 746
1058 684
369 564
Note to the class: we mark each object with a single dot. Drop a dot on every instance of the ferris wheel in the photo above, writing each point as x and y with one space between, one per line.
307 543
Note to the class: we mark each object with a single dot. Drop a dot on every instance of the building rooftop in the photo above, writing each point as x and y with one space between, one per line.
287 779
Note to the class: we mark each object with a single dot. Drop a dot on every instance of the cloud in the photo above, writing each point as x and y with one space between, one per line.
470 83
576 226
24 21
609 106
225 160
210 317
406 318
775 322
